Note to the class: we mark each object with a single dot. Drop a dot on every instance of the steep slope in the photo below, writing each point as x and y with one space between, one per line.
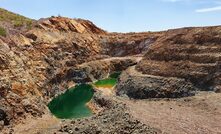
13 23
179 62
28 64
118 44
67 24
36 63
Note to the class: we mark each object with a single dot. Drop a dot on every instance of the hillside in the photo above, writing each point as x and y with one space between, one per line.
11 22
181 61
15 19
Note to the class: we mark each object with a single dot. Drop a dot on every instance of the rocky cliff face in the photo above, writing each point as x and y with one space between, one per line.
36 63
117 44
190 55
30 60
69 25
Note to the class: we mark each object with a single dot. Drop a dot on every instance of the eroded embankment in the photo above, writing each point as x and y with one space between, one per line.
142 86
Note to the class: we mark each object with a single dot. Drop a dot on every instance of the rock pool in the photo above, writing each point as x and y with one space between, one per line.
72 103
109 82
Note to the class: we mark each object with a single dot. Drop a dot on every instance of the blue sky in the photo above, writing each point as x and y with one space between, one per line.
125 15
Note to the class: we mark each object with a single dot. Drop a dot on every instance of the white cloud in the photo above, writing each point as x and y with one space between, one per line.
212 9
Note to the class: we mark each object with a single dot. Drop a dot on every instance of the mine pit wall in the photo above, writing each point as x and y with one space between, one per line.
102 68
192 55
89 72
119 45
217 80
139 86
105 47
28 63
38 63
20 94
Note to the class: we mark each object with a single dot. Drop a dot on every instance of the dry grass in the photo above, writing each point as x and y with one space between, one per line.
15 19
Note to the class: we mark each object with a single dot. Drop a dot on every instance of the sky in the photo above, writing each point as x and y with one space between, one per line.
125 15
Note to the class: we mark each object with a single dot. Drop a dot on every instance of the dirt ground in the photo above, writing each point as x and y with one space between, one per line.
200 114
44 125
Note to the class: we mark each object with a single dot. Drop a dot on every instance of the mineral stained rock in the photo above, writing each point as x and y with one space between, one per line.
38 62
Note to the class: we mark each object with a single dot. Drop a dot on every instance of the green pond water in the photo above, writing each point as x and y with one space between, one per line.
72 104
109 82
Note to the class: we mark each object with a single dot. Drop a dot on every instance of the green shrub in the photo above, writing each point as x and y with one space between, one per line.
2 31
18 24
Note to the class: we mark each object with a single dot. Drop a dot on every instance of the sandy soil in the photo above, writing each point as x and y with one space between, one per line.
45 125
200 114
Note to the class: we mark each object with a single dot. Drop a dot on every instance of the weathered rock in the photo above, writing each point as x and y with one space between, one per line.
128 44
100 69
177 63
193 54
77 75
139 86
4 120
114 119
2 115
35 107
1 125
72 25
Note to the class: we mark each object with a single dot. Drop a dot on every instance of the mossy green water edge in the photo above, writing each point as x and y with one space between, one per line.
109 82
72 103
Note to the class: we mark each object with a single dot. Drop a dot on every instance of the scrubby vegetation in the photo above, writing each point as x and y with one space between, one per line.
2 31
14 19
